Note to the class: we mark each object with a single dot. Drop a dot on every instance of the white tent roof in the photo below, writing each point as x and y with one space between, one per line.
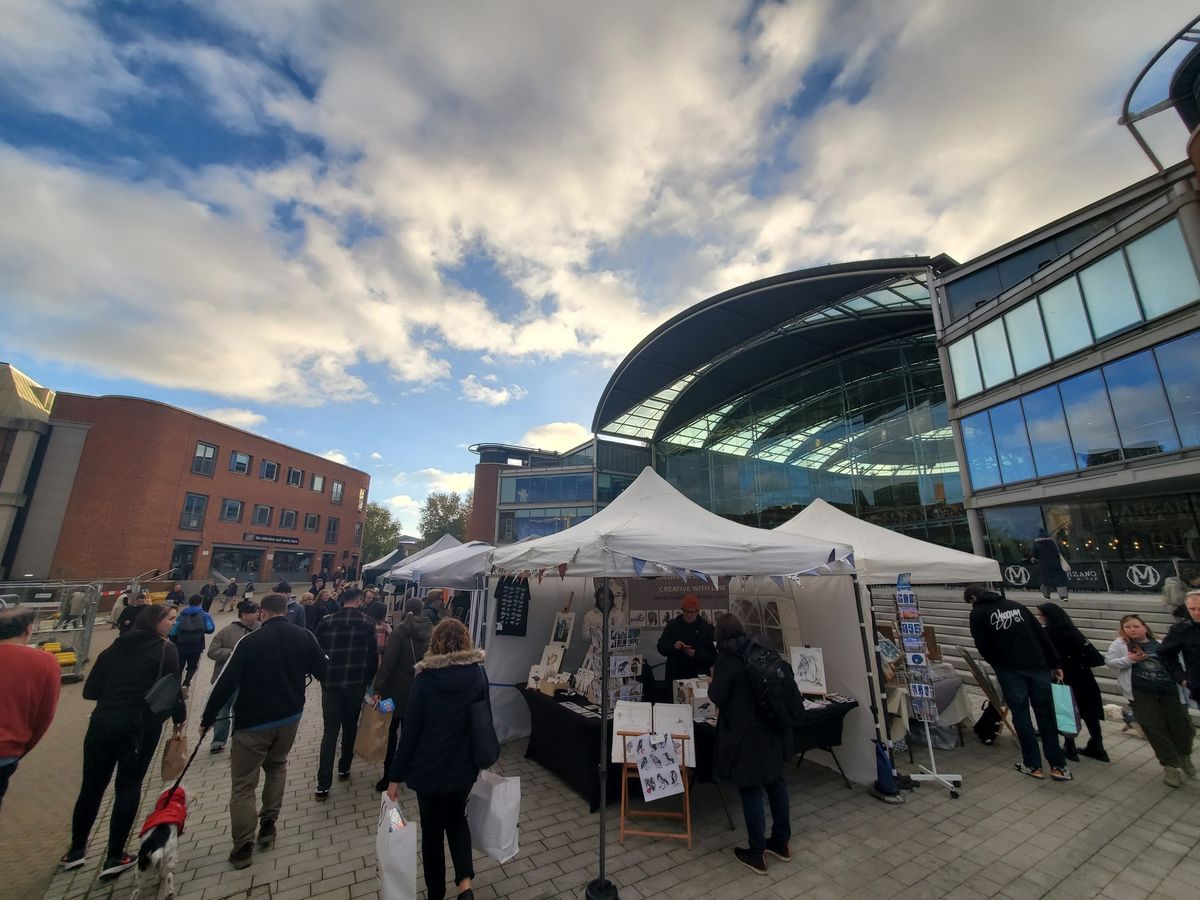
394 557
445 542
881 554
456 568
652 529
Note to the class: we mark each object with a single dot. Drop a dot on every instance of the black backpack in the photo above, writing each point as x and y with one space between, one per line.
777 700
987 727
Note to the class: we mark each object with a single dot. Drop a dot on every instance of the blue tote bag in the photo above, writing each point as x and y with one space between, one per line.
1064 708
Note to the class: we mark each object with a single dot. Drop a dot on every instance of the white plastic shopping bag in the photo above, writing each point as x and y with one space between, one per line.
396 853
492 812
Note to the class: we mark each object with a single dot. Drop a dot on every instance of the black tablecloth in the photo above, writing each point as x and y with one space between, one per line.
567 743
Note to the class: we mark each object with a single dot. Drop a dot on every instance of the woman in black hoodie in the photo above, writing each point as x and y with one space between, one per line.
1077 657
405 647
122 733
434 755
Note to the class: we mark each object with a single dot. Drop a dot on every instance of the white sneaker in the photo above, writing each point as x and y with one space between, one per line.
1172 777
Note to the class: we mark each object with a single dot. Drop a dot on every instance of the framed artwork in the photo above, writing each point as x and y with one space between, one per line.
536 674
564 626
808 664
637 618
652 618
552 657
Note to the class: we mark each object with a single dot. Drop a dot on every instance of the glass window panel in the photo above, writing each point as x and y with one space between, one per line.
1026 337
1047 428
981 451
1090 421
965 367
1178 362
1109 296
1163 270
1012 444
1143 418
1066 324
508 490
992 347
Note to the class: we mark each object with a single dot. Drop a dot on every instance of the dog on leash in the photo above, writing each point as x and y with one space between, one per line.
160 842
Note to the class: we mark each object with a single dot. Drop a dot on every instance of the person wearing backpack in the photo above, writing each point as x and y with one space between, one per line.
750 747
188 634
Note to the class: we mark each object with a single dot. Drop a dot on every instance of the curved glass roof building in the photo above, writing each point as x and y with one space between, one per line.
818 383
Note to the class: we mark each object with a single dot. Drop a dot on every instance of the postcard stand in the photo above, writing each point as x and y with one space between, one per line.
630 770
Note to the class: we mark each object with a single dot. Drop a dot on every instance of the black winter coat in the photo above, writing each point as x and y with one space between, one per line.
405 647
1047 555
1183 640
748 751
124 672
698 635
434 756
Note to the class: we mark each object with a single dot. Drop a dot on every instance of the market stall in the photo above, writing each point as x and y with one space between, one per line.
456 568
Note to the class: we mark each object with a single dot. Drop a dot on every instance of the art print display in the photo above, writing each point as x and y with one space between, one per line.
652 618
629 715
536 674
637 618
676 718
564 626
658 766
808 665
552 657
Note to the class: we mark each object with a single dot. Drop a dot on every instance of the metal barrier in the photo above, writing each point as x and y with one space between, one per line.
65 615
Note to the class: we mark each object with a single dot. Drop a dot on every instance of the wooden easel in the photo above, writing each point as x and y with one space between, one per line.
629 769
989 690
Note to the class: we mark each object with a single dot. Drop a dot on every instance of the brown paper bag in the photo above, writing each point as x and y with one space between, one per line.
175 757
371 743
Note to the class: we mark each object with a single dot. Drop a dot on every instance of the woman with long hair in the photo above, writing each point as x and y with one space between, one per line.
1078 657
434 756
1156 698
123 734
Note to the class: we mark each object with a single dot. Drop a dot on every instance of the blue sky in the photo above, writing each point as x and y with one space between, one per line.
387 231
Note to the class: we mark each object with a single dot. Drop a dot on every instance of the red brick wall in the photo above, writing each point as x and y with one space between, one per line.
483 503
123 515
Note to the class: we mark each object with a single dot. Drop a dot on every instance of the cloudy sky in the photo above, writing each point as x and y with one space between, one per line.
384 231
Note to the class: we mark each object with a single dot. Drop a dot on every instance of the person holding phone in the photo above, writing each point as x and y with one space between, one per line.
1156 698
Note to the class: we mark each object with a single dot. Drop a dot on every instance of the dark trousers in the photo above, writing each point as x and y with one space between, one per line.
444 815
756 818
190 659
1023 688
1168 729
1091 705
6 772
112 744
339 711
393 734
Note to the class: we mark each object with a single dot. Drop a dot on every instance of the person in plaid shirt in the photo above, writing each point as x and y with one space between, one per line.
348 639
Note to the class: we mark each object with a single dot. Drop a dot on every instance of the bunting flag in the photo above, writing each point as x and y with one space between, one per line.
638 565
714 581
778 579
832 555
525 575
541 573
681 574
562 571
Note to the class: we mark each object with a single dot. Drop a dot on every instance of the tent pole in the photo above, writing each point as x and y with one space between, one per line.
601 888
868 644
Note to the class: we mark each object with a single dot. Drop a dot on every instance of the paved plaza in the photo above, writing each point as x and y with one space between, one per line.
1115 832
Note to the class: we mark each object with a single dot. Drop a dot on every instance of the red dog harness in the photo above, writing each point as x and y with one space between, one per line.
171 809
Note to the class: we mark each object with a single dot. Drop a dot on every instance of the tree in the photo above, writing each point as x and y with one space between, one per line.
381 532
445 513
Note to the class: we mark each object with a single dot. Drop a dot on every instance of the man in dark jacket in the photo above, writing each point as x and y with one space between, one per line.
295 610
687 643
405 648
188 634
229 595
749 752
133 608
348 639
208 593
1019 650
267 669
1184 640
1049 559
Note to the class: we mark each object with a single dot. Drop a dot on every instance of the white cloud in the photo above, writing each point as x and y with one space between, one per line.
238 418
407 510
337 456
376 455
555 436
477 392
437 480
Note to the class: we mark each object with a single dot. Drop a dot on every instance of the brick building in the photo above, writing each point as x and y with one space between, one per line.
126 485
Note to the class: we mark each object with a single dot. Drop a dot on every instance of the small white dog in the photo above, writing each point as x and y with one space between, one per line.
160 842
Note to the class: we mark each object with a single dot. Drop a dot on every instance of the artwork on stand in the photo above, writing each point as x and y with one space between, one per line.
632 716
564 626
676 718
552 656
666 615
808 663
637 618
652 618
536 674
658 766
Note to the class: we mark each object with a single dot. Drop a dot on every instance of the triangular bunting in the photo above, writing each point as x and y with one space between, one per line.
778 579
541 573
562 571
638 565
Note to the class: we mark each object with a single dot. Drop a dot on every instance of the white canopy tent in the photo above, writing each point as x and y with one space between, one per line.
458 568
880 554
445 542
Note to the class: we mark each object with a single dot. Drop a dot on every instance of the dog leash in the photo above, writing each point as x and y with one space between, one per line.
188 765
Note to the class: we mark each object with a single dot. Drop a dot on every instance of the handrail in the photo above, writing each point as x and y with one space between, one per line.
1128 118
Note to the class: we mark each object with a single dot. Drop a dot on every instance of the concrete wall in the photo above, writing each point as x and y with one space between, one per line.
48 503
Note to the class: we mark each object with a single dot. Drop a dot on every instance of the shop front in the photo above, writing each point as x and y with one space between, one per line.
238 562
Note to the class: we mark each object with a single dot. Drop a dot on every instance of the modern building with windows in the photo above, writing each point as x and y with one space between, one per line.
819 383
520 492
123 486
1073 361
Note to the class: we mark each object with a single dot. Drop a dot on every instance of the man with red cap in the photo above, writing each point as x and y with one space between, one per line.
687 643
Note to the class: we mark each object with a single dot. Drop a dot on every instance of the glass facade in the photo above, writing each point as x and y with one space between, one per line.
542 488
1147 278
1125 544
1144 404
517 524
868 433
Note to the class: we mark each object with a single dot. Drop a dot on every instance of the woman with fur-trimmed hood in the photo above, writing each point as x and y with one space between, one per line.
434 756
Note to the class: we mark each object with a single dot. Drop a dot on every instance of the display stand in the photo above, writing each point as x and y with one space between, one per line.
914 672
989 690
628 770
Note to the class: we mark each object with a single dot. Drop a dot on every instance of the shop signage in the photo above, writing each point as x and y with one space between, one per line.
1087 575
1141 576
1017 575
268 538
666 593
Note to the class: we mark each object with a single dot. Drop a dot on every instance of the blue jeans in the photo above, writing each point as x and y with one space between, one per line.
224 720
756 820
1023 688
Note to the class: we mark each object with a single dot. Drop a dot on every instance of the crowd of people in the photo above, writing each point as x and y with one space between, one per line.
341 636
